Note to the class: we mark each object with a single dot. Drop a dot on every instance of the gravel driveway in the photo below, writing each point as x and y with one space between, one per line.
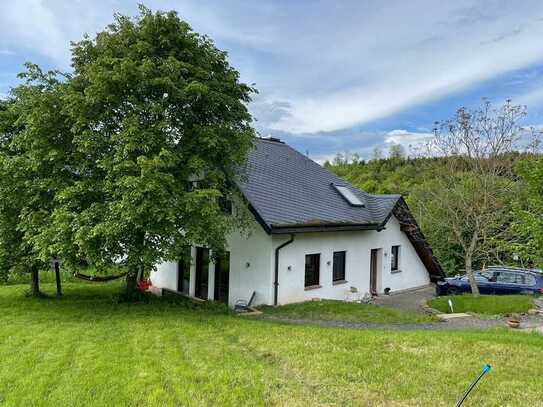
412 300
469 323
416 300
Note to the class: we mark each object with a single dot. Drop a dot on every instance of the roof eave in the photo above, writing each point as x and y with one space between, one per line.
286 229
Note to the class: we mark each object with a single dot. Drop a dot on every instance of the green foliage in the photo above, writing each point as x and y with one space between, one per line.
33 153
419 180
527 228
97 162
382 176
485 304
449 226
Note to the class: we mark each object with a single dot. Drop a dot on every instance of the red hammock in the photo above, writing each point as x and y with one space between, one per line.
98 279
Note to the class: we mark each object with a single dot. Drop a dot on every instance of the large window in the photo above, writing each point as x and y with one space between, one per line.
312 269
395 259
338 273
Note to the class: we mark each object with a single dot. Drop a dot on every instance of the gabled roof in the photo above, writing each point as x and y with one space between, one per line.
288 191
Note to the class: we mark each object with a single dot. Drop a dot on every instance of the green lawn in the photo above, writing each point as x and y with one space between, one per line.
329 310
485 304
85 349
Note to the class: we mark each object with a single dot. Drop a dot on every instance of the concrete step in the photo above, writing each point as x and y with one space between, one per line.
446 317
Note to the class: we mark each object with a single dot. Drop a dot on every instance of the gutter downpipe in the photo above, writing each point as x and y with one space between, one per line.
276 277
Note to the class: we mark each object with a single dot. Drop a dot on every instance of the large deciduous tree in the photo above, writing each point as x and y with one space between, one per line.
469 197
153 106
34 149
153 128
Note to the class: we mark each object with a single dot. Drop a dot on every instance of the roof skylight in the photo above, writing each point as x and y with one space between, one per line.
348 195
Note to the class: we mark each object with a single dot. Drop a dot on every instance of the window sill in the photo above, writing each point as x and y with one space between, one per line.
395 271
312 287
338 282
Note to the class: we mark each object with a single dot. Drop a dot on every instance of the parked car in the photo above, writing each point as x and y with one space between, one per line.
496 280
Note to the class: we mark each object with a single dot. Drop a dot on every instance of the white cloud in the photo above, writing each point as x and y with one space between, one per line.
325 66
405 58
412 142
46 27
406 138
532 97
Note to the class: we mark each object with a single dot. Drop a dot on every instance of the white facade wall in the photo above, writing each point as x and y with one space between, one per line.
251 269
252 265
165 275
358 245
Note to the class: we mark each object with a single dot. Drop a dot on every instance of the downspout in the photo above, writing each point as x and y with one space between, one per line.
276 279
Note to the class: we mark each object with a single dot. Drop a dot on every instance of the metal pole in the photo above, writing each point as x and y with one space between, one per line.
485 370
57 277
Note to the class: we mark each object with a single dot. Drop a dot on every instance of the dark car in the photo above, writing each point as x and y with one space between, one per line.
496 280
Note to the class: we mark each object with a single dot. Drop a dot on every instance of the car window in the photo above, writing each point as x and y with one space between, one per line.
479 277
485 276
507 278
528 279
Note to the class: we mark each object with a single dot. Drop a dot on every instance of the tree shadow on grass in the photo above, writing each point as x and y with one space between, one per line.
84 301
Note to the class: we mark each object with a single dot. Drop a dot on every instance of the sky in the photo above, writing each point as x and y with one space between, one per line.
333 76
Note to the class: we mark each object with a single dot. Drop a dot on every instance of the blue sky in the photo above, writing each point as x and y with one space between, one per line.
333 75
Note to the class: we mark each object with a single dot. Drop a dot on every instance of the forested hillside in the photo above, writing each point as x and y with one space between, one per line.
518 238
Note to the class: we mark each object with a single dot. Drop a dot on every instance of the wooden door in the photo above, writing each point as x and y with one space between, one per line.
202 272
222 278
373 271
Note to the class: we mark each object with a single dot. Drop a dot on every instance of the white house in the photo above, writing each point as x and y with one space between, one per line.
313 236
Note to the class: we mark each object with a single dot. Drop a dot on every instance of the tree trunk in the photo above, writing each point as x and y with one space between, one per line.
35 282
131 283
471 276
135 264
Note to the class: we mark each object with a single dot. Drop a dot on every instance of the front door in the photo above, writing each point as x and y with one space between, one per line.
202 272
222 277
373 271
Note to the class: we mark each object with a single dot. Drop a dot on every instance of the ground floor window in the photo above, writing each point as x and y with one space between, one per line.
339 266
312 269
395 258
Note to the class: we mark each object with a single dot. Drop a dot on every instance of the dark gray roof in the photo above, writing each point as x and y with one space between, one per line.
288 191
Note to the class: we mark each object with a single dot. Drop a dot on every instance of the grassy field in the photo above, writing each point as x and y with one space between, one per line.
329 310
86 349
485 304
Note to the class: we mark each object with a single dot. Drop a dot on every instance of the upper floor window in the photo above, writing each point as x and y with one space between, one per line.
395 258
338 273
225 205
